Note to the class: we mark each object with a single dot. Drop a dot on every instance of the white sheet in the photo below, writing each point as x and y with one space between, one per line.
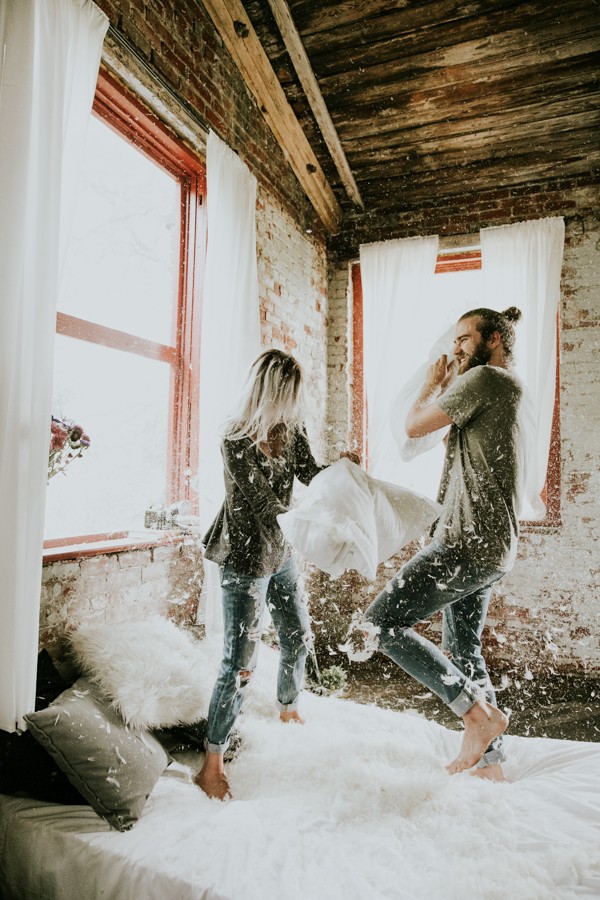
354 805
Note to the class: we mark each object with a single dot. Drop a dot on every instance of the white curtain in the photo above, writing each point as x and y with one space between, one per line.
521 266
397 329
230 336
48 70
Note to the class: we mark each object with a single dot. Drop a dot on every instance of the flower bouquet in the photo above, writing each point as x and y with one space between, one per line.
67 442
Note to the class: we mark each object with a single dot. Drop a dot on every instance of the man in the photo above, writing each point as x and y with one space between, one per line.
475 539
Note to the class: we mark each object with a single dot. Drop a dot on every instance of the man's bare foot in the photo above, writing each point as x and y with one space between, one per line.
491 773
483 722
291 716
211 778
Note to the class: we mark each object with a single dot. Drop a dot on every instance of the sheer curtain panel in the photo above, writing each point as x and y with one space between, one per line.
397 326
230 337
48 70
521 266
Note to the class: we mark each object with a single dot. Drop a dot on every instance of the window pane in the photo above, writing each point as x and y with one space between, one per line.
123 260
122 402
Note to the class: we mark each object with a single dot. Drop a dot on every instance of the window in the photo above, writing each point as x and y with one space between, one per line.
456 287
126 355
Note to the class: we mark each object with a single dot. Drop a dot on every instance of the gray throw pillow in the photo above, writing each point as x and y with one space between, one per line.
113 766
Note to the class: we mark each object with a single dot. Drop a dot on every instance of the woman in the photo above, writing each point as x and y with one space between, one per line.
264 448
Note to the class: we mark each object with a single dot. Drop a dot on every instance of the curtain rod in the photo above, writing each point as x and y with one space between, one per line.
131 50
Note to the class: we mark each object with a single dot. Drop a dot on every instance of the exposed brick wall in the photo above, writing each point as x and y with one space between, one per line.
292 276
339 359
119 587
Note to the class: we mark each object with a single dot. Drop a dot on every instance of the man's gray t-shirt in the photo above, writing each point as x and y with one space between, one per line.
482 480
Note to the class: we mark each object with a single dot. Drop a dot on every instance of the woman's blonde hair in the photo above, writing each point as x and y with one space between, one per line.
272 397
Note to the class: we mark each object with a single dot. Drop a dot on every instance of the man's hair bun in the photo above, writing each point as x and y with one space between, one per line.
512 314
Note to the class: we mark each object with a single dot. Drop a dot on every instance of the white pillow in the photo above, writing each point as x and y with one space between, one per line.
347 519
401 515
156 674
411 447
333 525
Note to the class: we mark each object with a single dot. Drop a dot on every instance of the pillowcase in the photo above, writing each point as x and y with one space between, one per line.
347 519
411 447
333 525
112 766
156 674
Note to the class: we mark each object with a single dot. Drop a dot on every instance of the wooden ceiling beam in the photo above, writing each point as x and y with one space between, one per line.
240 38
304 71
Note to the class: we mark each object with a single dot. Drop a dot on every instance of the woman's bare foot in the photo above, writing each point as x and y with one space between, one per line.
491 773
483 723
291 716
211 777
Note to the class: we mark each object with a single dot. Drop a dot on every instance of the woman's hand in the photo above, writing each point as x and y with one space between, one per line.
353 457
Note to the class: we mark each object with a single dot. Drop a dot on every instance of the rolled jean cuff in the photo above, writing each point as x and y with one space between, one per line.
468 696
491 758
287 707
216 748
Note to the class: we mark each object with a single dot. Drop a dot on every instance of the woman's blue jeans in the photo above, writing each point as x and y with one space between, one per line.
244 598
440 578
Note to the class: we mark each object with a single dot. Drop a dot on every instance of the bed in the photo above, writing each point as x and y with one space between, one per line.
353 805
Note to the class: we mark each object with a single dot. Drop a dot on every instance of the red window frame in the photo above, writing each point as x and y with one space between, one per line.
133 121
449 262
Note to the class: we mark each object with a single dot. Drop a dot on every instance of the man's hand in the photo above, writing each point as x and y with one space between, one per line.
441 374
426 415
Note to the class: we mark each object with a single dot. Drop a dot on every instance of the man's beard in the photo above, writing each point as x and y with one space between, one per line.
480 357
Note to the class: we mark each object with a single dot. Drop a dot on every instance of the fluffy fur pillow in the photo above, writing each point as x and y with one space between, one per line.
155 673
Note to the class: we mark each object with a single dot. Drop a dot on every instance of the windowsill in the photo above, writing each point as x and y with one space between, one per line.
121 543
544 526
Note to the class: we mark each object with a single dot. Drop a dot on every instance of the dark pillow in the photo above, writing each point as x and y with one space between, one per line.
113 766
25 767
182 738
49 682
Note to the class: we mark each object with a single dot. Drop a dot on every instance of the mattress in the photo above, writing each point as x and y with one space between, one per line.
356 804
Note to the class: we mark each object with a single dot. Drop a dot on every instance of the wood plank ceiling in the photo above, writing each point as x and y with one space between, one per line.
440 99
